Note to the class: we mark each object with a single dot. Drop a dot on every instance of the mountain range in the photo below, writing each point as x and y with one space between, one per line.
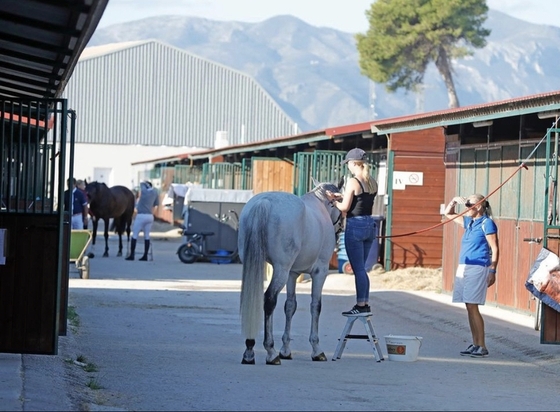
314 75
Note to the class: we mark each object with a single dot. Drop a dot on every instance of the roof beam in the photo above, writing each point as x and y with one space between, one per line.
80 7
12 88
25 56
38 24
34 43
26 80
23 69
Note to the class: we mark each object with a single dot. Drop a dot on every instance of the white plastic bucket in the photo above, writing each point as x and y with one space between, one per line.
403 348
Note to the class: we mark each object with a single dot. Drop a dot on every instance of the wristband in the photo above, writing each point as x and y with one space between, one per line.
492 270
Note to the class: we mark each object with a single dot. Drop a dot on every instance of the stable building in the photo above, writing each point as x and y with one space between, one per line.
424 160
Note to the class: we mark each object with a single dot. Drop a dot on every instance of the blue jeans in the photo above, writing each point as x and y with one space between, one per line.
358 238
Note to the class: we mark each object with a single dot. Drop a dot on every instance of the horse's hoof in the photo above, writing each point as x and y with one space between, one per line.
288 356
247 362
319 358
275 361
90 255
105 255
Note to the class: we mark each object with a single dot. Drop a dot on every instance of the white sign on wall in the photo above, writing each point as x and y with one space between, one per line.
382 179
402 179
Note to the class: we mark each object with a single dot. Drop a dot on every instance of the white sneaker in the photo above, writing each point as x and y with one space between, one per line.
479 352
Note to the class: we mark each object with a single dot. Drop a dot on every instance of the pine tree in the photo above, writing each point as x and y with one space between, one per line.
404 36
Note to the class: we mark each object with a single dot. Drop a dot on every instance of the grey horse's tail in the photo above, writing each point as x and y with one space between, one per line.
254 261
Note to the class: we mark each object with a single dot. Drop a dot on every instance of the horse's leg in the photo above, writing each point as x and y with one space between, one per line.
94 234
290 308
128 226
249 354
318 277
119 253
95 222
106 234
279 279
120 230
116 226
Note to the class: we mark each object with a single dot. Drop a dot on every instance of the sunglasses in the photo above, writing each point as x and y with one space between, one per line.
469 204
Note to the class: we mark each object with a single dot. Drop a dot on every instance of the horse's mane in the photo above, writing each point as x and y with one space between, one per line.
100 184
320 190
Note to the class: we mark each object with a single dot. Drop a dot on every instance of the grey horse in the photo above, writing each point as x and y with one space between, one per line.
295 235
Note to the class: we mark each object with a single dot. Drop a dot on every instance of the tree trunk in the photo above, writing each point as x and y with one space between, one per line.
444 68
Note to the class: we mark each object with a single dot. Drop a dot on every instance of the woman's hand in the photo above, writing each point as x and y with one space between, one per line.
333 196
450 208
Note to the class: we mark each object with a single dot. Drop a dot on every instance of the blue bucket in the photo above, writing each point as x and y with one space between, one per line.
221 252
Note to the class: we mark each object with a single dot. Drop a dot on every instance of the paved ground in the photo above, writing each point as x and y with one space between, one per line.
162 335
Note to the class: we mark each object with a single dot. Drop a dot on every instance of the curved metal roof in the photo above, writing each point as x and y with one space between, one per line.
40 43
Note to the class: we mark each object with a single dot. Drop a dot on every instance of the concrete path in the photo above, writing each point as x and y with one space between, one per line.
163 335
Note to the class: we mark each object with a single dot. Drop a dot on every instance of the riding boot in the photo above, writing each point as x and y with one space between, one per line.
132 247
146 250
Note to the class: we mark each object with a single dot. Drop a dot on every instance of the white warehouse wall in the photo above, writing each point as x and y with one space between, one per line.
118 159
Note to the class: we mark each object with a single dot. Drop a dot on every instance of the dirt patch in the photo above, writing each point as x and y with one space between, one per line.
407 279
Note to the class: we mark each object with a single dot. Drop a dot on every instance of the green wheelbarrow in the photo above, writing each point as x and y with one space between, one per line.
79 242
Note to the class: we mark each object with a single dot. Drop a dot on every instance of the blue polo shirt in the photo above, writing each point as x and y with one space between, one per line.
78 201
474 247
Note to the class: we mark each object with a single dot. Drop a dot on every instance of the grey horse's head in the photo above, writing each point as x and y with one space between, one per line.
320 190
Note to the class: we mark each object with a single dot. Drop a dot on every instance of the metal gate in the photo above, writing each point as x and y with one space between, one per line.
184 173
325 166
550 319
222 175
33 244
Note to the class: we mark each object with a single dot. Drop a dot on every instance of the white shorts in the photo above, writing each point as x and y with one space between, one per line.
77 221
471 284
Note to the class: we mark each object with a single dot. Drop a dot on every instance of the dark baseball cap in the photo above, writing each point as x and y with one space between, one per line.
355 155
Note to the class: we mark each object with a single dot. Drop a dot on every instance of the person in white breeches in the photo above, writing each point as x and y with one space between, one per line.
146 207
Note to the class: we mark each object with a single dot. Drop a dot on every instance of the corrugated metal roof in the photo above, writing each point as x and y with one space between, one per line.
150 93
248 147
349 129
164 159
467 114
480 112
40 42
261 145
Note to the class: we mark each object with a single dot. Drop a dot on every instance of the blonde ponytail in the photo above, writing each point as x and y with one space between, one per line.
366 176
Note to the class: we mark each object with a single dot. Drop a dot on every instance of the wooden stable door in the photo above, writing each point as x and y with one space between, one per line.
30 284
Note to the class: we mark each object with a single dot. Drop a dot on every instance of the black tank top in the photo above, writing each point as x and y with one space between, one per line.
362 204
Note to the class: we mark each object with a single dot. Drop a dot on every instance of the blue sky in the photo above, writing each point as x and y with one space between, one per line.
344 15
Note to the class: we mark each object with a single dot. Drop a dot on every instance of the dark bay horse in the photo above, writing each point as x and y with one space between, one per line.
295 235
115 203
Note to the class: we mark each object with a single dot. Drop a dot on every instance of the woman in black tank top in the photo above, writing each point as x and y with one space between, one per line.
359 233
